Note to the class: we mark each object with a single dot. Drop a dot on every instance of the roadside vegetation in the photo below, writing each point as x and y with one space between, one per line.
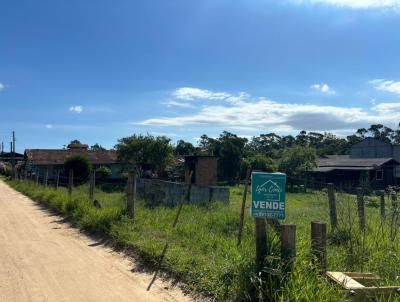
202 249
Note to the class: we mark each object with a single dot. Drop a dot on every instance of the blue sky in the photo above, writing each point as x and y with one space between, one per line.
99 70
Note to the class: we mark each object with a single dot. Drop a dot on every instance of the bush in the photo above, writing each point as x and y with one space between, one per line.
5 169
103 172
258 162
81 167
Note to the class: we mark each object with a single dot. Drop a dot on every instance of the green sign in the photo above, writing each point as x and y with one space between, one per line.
268 195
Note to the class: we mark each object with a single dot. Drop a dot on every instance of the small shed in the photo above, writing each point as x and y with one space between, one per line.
204 169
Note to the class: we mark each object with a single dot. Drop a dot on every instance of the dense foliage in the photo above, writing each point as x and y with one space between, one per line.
297 161
81 167
103 172
266 151
97 147
139 152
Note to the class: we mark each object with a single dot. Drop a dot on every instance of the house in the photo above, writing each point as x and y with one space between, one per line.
370 160
39 161
8 156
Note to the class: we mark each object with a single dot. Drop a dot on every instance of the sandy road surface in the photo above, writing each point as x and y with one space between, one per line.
42 259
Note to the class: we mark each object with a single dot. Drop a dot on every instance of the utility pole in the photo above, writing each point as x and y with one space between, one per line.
13 154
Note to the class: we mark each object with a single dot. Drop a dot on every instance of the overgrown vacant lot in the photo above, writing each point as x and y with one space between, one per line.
202 249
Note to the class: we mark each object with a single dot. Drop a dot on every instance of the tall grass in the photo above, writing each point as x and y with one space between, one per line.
202 249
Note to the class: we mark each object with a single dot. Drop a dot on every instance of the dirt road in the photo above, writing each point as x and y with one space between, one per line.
43 259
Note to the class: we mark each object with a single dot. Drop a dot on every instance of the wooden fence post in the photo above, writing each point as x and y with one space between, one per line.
37 178
57 179
92 185
46 177
70 182
261 240
360 208
318 243
246 185
394 199
130 194
382 199
332 205
288 242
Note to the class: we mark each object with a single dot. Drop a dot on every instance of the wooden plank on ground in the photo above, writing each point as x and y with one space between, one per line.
344 280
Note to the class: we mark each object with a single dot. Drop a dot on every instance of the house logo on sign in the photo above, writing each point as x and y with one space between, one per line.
270 189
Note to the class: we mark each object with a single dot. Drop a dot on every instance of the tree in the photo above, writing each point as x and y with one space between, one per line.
297 161
258 162
230 150
265 143
75 142
97 147
138 152
207 144
184 148
301 138
381 132
81 167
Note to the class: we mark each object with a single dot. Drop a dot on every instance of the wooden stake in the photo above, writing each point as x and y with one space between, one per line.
46 177
70 182
261 240
360 207
332 205
394 199
288 242
57 179
318 243
92 185
246 185
130 194
382 199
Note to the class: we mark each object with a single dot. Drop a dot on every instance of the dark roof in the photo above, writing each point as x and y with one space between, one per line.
344 162
9 155
57 157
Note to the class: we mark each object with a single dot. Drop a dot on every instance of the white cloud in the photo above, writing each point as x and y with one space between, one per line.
77 109
155 133
323 88
2 87
178 104
49 126
388 108
386 85
356 4
261 113
190 93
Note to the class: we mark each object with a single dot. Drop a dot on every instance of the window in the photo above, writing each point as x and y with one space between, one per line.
379 174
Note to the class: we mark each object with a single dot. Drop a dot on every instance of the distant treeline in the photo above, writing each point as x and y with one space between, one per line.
294 155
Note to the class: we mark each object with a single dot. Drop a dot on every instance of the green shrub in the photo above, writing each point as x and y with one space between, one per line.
103 172
81 167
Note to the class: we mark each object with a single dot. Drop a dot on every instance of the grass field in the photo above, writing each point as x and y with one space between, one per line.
202 249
